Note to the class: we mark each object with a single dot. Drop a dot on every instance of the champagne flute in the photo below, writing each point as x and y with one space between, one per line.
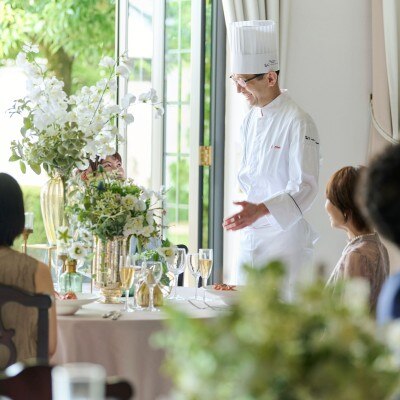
152 271
176 265
194 268
28 229
205 266
126 275
136 263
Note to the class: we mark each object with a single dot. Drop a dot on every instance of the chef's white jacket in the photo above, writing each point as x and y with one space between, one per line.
280 167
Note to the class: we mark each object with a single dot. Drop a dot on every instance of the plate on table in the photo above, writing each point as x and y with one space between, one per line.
70 307
227 296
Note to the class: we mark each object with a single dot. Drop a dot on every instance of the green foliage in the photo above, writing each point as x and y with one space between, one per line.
72 34
314 348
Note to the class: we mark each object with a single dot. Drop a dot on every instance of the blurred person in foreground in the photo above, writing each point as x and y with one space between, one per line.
21 271
364 255
381 194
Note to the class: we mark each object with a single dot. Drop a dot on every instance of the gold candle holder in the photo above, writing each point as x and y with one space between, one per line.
25 235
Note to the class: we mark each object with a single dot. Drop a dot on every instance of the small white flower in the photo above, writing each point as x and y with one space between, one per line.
150 96
128 118
127 100
167 252
147 230
122 71
77 251
107 62
129 202
140 205
30 48
159 111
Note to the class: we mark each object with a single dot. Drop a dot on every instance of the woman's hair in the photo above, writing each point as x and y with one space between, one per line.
12 215
381 193
341 192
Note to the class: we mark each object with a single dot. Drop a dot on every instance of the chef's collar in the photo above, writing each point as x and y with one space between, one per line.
273 107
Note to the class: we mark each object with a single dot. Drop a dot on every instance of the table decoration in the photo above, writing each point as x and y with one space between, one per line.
114 210
61 133
323 346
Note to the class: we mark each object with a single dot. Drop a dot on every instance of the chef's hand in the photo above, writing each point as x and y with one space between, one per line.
249 213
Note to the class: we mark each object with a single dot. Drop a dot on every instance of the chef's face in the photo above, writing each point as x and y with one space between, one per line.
253 90
335 215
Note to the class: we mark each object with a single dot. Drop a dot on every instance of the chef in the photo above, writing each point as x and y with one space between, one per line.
280 160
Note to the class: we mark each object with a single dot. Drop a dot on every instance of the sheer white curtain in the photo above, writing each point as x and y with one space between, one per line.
385 74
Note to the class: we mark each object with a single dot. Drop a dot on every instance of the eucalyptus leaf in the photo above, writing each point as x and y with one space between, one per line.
22 166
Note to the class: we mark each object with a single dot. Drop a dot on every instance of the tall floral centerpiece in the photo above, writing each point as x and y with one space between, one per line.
61 133
114 210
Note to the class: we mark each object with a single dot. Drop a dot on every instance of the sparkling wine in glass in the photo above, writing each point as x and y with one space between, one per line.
194 268
205 266
176 265
152 271
126 276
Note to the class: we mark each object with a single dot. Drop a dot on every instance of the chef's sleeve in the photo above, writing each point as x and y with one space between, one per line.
287 207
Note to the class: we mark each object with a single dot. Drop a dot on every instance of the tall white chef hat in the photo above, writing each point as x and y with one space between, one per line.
254 47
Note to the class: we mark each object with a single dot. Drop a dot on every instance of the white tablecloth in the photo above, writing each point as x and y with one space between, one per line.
122 346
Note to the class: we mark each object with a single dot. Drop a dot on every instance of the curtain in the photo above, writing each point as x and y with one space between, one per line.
385 75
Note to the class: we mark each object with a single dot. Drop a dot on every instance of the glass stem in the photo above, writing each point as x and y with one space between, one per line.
151 300
176 287
197 285
126 299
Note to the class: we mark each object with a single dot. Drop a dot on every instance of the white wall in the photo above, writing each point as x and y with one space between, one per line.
329 75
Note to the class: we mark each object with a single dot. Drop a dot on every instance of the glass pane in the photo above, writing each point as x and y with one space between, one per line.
178 118
140 48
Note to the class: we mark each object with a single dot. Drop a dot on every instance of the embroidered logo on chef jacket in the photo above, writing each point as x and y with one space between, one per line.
311 139
275 147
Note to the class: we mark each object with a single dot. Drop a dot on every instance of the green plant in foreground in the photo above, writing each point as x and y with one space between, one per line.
317 347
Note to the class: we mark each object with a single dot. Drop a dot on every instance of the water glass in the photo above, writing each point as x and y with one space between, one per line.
176 265
152 272
194 268
78 381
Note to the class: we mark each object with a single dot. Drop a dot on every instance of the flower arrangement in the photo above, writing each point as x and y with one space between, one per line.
111 207
61 133
318 347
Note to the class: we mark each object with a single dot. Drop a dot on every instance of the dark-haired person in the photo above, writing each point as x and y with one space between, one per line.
381 194
110 163
364 255
22 271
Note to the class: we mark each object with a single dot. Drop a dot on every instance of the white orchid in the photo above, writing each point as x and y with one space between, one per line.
64 130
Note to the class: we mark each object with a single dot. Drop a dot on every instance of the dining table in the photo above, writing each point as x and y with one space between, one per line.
123 346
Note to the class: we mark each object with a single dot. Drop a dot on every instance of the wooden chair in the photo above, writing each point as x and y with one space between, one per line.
40 301
24 381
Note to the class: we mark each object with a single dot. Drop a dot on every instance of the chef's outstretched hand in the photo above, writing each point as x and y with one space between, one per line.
249 213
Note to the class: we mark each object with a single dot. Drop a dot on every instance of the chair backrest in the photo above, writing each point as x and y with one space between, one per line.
33 382
40 301
180 277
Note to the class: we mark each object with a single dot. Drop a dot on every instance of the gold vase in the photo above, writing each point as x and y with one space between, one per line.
107 256
52 203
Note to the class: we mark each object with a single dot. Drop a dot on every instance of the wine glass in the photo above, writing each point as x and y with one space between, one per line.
152 271
126 275
205 266
194 268
176 265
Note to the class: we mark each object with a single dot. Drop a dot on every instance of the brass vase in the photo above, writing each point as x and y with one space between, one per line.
105 267
52 203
